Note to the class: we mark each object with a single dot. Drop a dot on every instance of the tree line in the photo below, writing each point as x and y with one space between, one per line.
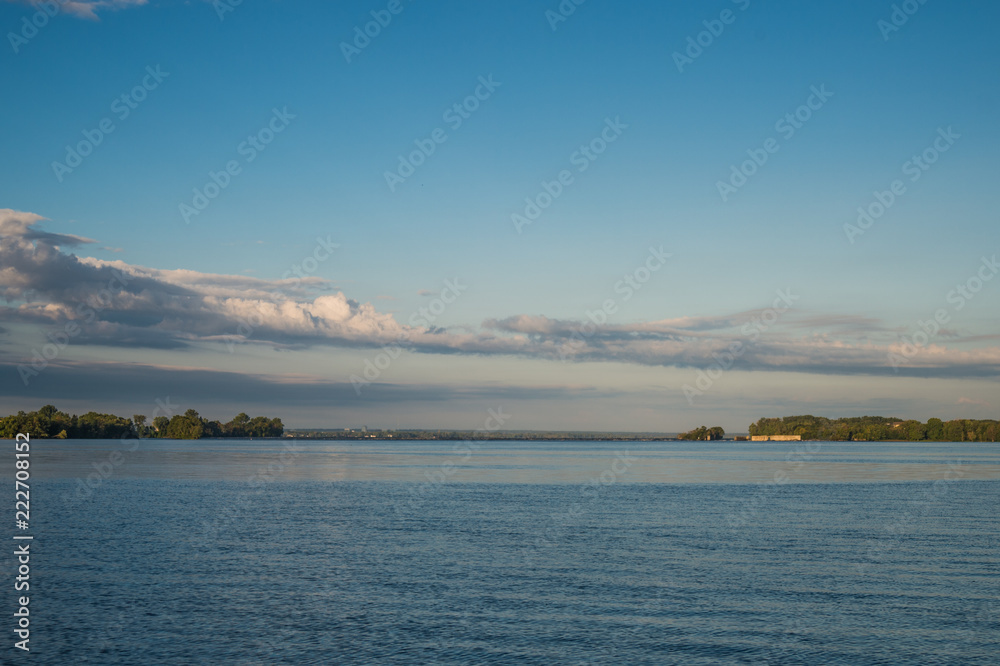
703 434
878 428
50 422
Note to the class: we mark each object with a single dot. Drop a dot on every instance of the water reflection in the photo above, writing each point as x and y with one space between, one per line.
517 462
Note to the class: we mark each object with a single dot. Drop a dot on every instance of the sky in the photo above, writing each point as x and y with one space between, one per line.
598 216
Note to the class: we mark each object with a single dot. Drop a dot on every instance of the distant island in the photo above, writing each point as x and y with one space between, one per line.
703 434
877 429
49 422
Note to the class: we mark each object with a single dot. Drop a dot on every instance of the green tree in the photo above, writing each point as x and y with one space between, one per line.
93 425
186 426
915 430
50 422
954 431
161 424
696 434
211 429
258 427
139 422
703 434
239 426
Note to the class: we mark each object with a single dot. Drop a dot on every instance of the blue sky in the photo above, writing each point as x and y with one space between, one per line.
508 338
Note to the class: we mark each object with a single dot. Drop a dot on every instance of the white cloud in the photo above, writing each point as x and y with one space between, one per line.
137 306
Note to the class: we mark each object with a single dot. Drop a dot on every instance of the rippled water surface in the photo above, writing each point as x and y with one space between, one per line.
403 553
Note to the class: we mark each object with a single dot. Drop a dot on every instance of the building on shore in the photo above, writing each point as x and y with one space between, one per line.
776 438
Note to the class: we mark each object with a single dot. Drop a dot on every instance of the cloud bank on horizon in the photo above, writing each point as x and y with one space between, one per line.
116 304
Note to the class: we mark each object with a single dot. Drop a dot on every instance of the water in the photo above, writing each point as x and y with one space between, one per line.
403 553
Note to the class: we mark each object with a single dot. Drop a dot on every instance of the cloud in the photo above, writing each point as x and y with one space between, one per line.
847 324
88 8
972 401
133 305
686 327
15 224
117 304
